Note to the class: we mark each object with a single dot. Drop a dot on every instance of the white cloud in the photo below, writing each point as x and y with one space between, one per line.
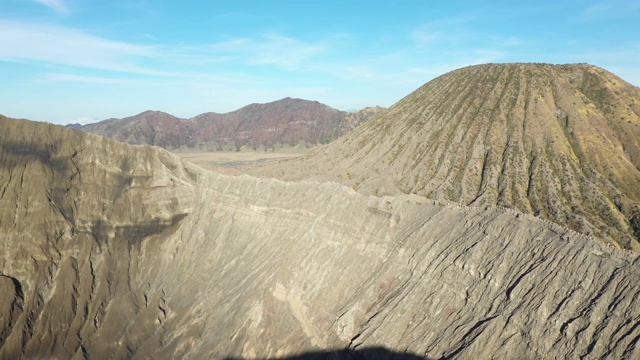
424 38
359 72
26 41
187 82
609 10
56 5
22 41
267 49
61 77
284 51
231 45
513 41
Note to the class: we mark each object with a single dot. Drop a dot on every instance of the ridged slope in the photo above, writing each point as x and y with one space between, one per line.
74 209
558 141
118 251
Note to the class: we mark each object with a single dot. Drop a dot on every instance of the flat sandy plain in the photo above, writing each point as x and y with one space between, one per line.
232 159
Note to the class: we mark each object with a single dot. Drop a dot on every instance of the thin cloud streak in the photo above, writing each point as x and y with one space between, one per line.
608 11
56 5
284 51
265 49
187 81
21 41
61 77
425 38
45 43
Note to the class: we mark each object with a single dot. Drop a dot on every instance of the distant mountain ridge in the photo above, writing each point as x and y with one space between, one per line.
259 126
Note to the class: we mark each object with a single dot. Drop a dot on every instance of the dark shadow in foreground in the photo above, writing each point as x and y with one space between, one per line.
373 353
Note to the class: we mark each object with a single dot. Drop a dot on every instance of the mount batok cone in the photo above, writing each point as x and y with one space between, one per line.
561 142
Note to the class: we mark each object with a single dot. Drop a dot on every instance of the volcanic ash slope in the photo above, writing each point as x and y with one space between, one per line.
111 250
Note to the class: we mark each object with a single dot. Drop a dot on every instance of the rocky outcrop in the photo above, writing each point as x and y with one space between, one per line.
556 141
119 251
257 126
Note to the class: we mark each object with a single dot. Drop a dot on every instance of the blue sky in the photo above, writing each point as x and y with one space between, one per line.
65 61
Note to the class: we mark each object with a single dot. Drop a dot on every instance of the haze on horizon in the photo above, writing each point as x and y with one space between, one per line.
67 61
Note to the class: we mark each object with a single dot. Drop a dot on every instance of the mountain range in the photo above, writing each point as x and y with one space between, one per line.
286 122
121 251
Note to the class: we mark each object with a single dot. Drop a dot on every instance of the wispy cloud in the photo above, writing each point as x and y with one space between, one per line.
609 10
284 51
512 41
359 72
185 80
53 44
63 77
264 49
442 30
25 41
426 37
56 5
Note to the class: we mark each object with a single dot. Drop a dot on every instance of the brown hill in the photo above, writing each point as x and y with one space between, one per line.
147 128
267 126
119 251
558 141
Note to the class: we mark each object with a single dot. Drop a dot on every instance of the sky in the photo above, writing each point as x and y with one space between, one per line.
82 61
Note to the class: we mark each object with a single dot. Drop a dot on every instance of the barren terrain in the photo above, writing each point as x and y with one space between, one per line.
212 160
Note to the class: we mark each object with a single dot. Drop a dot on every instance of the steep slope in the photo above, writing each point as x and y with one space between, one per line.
287 121
118 251
74 210
558 141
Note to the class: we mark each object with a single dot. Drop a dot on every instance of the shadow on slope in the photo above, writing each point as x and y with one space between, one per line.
372 353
